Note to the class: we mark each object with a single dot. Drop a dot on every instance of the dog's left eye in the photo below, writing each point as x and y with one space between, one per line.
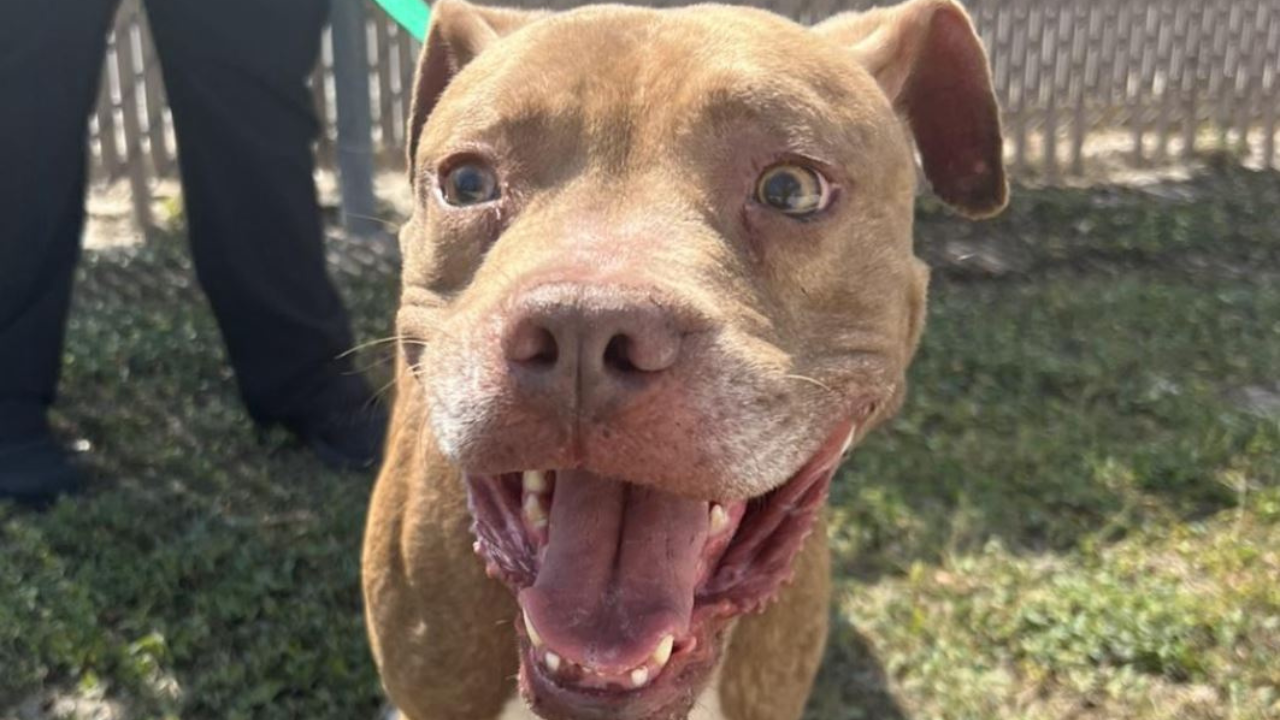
470 183
793 189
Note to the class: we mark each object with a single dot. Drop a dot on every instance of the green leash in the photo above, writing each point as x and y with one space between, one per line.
412 15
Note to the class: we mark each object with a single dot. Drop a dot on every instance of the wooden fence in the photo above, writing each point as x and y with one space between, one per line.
1158 80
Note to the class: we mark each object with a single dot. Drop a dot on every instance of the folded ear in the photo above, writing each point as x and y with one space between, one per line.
459 32
930 63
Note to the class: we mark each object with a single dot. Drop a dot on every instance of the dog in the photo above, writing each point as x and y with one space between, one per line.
659 280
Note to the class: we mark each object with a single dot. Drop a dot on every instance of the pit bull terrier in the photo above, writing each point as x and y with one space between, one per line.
658 281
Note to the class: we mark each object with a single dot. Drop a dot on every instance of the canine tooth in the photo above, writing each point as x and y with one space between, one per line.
719 518
535 481
639 677
533 511
663 653
552 661
534 637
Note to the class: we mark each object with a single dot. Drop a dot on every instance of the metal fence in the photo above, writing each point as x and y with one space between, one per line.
1152 80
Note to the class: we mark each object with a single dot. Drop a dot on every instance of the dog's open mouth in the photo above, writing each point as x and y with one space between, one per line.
625 589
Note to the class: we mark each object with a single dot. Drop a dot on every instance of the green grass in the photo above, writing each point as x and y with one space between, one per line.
1072 517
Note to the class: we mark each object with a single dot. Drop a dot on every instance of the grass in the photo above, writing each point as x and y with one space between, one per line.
1074 516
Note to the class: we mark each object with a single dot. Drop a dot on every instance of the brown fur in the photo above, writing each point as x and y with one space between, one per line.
773 657
625 137
440 629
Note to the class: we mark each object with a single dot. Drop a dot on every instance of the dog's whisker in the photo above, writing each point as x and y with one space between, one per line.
370 403
383 221
383 391
811 381
363 369
371 343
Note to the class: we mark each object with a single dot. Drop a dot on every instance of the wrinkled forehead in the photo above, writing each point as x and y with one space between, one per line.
634 79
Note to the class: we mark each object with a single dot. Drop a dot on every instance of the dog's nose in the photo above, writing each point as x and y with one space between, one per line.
600 344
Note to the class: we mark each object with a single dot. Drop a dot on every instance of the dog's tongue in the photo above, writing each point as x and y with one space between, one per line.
619 572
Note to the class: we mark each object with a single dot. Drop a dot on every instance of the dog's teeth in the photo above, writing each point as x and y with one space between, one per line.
535 481
663 653
719 518
534 637
534 512
552 661
639 677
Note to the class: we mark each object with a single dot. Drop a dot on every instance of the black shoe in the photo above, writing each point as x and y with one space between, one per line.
36 471
345 427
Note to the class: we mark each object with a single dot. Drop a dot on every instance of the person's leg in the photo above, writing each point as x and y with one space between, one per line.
236 73
50 59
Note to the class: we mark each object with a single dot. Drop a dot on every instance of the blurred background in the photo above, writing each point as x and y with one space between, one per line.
1076 515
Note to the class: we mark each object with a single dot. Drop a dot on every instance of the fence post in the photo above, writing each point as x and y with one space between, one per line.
355 125
1191 85
1270 98
130 76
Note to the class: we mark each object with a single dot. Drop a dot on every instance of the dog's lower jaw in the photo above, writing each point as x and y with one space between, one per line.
671 696
707 706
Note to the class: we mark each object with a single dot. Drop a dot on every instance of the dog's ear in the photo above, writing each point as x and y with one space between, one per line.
459 32
930 63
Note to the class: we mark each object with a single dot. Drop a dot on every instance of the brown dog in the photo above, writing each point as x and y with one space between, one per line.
658 280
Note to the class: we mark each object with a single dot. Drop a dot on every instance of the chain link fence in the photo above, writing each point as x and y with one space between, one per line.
1138 82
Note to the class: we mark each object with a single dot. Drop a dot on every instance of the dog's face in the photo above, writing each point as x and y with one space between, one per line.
659 278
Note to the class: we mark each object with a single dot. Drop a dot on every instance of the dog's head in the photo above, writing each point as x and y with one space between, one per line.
658 280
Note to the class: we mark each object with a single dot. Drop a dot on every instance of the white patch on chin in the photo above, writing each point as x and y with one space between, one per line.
708 705
517 710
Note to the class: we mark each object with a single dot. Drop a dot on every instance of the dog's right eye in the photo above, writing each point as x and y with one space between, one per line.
469 183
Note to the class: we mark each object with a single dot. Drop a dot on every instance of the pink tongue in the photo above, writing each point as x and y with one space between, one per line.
619 572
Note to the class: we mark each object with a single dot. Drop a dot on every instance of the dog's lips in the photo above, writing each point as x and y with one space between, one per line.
624 588
564 694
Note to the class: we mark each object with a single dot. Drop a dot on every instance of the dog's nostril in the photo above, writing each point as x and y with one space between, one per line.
534 345
617 354
642 352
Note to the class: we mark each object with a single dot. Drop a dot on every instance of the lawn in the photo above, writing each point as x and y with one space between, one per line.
1076 515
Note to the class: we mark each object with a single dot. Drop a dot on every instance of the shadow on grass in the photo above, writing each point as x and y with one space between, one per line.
212 569
852 684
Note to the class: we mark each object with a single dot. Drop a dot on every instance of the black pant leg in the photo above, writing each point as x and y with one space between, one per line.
236 73
50 62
